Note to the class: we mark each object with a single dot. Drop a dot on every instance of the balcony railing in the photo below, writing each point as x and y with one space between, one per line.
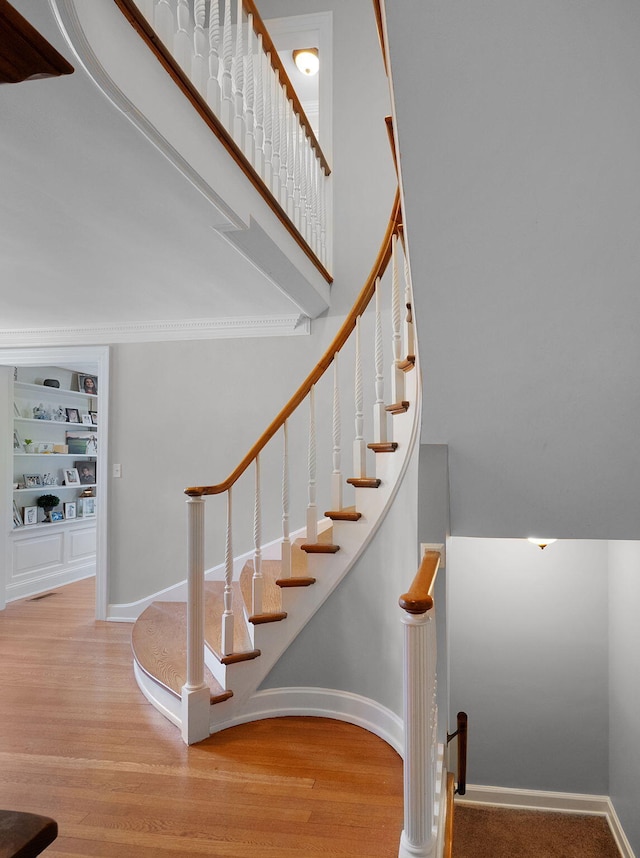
221 55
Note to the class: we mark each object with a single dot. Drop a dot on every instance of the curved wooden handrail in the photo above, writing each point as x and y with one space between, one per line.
267 44
419 598
144 29
367 292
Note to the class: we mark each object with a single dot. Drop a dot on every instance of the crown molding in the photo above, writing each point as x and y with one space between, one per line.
158 331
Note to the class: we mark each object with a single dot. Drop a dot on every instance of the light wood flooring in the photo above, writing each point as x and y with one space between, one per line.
79 742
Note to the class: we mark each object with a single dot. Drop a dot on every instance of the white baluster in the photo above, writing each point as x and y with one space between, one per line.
297 167
336 476
257 582
226 83
291 160
359 446
397 376
312 511
303 182
195 695
323 218
285 571
199 73
237 66
213 83
267 173
164 23
315 224
408 301
284 146
275 159
259 109
379 410
227 616
182 49
250 96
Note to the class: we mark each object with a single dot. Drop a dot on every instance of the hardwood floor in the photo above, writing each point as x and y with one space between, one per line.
79 742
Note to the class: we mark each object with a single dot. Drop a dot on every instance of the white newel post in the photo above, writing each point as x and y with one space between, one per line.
195 694
418 838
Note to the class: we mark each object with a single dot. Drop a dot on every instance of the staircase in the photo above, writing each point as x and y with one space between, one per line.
260 603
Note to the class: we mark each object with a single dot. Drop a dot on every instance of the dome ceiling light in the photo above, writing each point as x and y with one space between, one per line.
306 59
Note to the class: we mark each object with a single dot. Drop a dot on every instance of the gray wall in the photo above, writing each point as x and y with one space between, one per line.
529 662
518 124
624 685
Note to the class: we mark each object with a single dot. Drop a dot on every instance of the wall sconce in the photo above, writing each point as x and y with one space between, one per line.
306 60
540 541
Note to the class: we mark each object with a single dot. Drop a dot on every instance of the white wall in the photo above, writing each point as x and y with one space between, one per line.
518 123
624 685
529 662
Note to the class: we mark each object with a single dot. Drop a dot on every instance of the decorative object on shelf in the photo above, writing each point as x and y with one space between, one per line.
94 417
88 384
40 412
28 445
16 440
32 481
51 382
60 448
49 480
73 415
16 410
42 447
87 420
70 510
57 516
47 503
87 471
86 493
17 518
30 514
82 443
71 477
59 414
87 507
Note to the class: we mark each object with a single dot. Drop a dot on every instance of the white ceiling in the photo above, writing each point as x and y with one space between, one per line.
96 226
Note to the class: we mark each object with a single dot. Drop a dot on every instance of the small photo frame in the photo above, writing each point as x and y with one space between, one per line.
88 507
17 443
71 477
73 415
30 515
88 384
86 419
70 509
32 481
87 472
94 417
17 517
57 515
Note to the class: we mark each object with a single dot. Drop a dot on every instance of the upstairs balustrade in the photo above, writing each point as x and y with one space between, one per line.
221 54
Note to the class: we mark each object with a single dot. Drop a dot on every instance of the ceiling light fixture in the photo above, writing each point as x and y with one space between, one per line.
539 541
306 59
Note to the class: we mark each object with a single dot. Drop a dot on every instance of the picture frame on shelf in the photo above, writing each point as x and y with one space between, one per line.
49 479
17 443
87 420
82 443
87 472
17 517
32 481
57 515
70 509
87 507
71 477
88 384
94 417
73 415
30 515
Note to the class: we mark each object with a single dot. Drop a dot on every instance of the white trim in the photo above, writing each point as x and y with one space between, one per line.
558 802
319 703
159 331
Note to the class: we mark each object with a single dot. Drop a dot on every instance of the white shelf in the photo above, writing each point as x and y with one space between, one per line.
58 455
50 488
87 426
48 525
58 391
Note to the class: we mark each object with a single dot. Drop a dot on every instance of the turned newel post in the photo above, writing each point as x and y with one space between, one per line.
195 694
420 714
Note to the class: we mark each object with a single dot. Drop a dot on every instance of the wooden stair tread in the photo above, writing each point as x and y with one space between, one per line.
348 513
364 482
319 547
159 643
398 407
383 446
298 581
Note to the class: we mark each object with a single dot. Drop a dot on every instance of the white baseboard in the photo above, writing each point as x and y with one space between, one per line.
559 802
